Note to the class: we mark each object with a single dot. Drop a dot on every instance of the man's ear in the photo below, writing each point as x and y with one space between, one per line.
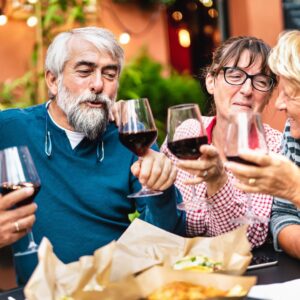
52 82
210 83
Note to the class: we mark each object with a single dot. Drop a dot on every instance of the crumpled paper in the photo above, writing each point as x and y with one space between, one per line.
110 272
143 245
53 280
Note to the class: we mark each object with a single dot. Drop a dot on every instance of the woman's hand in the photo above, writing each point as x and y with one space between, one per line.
15 222
209 168
274 174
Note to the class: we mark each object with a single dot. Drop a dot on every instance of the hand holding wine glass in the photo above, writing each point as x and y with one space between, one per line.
137 132
245 132
18 171
186 145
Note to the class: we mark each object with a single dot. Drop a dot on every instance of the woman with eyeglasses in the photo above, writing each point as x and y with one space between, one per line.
276 174
238 79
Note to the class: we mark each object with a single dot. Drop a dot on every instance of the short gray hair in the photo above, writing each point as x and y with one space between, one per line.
103 39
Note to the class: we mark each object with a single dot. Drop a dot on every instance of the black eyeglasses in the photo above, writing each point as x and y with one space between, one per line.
236 76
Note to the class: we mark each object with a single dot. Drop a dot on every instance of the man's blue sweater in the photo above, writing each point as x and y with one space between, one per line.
82 204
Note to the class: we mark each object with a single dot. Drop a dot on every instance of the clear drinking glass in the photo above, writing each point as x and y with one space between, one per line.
137 132
185 145
17 170
245 131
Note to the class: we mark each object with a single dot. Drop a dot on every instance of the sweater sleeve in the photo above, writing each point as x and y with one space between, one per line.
162 211
284 213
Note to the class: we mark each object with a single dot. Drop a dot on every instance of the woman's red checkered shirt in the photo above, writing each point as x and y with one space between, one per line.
229 202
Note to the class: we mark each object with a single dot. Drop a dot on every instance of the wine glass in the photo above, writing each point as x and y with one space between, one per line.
245 131
185 144
137 132
17 171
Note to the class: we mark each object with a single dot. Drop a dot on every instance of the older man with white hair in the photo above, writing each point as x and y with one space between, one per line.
84 169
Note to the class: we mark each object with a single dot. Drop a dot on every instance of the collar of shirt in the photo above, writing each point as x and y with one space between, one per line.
209 129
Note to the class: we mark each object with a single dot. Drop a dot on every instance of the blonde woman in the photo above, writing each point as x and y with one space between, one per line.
280 175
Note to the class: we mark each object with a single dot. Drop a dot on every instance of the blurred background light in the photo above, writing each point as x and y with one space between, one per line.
184 38
177 15
124 38
213 13
3 20
32 21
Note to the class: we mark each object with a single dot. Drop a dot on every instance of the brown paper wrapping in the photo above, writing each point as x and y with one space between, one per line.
52 279
141 247
150 280
157 277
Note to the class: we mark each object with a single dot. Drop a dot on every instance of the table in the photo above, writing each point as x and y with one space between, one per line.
287 269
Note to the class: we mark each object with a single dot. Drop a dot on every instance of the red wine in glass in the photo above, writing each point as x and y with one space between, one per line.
7 188
138 142
18 171
187 148
185 144
137 132
244 132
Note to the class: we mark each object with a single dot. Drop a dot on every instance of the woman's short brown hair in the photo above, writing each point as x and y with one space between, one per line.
233 48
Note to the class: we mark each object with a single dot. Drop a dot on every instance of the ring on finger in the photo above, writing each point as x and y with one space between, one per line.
17 226
204 174
251 181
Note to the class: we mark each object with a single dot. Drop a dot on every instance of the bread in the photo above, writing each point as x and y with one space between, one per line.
198 263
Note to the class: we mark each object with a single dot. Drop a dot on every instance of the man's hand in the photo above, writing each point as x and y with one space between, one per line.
155 171
15 222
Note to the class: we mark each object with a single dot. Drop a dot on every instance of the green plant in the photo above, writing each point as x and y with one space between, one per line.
142 77
53 16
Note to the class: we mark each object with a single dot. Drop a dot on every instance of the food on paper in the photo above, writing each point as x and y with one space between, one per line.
179 290
198 263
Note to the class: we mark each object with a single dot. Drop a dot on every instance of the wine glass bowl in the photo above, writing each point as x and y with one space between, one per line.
245 132
17 171
137 132
185 143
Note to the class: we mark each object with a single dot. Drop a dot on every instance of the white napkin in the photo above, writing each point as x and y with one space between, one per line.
287 290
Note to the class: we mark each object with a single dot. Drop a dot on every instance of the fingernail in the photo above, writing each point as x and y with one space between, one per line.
29 191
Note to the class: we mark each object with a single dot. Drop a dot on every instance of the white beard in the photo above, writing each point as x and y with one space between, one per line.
91 121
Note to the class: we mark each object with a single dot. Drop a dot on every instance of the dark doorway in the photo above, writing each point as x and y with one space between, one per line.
201 19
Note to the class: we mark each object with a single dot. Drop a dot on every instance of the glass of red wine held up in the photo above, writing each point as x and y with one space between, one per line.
185 144
245 132
17 171
137 132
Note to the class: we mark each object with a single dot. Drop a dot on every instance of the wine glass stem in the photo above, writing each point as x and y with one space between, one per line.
32 243
249 205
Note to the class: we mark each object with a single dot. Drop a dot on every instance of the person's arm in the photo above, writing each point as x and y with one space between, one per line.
162 212
157 172
226 203
289 240
285 227
274 175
